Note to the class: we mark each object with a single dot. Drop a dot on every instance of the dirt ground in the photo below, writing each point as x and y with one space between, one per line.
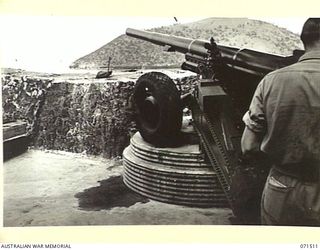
52 188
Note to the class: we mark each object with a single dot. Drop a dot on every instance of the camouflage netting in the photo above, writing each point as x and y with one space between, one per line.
22 98
77 116
91 118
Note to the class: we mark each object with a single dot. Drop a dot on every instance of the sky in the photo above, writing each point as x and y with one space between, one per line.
52 43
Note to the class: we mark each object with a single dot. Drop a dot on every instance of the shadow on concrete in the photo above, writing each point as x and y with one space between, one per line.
111 193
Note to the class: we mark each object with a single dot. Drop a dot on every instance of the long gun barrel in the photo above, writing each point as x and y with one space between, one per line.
179 44
245 60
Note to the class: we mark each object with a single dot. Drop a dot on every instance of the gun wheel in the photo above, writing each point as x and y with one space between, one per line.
158 107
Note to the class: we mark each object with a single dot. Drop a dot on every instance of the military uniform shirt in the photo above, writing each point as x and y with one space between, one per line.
286 110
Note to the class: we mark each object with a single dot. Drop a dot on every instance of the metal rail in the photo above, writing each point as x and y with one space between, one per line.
214 149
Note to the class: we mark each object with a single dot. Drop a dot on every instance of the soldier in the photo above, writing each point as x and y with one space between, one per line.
283 122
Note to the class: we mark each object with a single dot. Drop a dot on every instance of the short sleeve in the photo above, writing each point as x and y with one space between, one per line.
254 118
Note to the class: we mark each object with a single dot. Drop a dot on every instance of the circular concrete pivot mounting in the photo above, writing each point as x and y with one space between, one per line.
172 175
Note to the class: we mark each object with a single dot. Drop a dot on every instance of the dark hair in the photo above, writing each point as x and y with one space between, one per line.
311 31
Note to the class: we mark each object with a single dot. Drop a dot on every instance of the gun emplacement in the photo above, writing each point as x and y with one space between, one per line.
229 77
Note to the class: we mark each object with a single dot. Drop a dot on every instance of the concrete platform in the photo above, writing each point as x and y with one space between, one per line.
63 189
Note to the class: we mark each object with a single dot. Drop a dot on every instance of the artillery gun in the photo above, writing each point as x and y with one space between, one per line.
228 79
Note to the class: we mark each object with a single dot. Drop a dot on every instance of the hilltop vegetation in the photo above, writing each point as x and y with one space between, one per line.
127 52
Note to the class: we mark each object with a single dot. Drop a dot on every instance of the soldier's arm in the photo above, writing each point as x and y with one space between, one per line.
255 123
250 141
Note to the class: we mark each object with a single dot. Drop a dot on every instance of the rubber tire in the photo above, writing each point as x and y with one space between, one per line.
159 109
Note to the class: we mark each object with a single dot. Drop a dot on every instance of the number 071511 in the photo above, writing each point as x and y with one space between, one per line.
308 246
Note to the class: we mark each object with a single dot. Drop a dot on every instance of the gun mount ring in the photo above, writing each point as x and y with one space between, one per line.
171 175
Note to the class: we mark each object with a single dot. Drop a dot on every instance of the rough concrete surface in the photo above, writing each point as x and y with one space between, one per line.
53 188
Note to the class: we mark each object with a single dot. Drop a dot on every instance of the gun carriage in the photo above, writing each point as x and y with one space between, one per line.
228 79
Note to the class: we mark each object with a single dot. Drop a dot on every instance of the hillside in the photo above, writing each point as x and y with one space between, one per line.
127 52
